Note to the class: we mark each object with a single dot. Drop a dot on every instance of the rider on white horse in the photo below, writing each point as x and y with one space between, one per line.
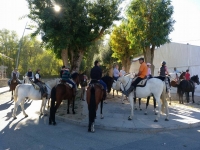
38 81
163 72
30 74
141 75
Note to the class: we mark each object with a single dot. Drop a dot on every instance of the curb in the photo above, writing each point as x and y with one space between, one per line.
121 129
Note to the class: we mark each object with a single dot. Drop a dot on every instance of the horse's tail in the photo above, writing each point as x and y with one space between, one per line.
92 106
16 93
163 98
53 97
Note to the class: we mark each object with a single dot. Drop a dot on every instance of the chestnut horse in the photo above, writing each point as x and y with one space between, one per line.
61 92
13 84
94 97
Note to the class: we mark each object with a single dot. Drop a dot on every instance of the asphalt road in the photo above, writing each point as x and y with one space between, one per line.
34 133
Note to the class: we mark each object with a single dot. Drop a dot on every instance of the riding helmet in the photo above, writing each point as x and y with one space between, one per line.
163 63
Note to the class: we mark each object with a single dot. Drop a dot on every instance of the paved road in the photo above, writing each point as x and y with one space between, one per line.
34 133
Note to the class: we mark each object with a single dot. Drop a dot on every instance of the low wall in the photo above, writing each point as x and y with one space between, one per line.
3 82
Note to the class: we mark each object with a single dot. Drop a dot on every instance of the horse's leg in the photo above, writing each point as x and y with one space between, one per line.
135 104
68 103
132 106
113 93
102 109
147 104
12 95
15 108
154 105
159 108
169 94
22 107
122 99
188 98
44 105
193 96
73 106
140 104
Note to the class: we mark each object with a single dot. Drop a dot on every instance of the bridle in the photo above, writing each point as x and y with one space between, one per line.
130 79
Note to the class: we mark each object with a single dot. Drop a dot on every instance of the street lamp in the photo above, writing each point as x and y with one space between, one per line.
20 46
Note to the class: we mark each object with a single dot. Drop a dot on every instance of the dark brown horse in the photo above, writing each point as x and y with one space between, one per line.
62 92
13 84
94 97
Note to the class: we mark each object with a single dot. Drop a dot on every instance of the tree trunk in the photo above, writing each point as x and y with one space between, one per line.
76 60
64 55
149 56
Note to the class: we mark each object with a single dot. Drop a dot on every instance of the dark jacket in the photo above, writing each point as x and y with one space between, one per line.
36 80
162 71
96 73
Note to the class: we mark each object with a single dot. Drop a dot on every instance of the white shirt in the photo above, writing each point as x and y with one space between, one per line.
122 72
37 76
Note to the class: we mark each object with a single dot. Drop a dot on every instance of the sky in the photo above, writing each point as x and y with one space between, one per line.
186 14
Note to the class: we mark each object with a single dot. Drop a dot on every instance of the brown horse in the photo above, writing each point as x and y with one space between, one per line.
13 84
94 97
176 83
62 92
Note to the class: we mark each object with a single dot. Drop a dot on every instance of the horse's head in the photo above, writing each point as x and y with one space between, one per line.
195 79
75 78
109 81
117 84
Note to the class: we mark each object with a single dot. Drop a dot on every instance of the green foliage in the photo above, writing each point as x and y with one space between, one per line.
31 55
78 24
149 22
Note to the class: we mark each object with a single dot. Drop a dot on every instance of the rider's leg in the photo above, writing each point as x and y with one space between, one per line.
132 87
105 88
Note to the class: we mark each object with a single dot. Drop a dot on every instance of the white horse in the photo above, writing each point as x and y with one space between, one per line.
26 80
23 91
154 86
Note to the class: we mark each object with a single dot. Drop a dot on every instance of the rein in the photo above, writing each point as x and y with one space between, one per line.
126 84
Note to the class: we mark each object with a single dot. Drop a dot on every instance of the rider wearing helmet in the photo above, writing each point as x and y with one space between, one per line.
141 75
163 72
96 74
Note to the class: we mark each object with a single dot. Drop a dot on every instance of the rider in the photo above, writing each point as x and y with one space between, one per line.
66 78
30 74
116 72
96 74
141 75
37 80
187 75
163 72
61 71
149 71
14 73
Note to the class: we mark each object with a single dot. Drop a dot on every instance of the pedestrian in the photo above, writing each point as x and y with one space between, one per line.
116 72
122 72
149 70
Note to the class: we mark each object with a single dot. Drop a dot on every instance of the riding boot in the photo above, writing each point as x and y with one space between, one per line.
128 91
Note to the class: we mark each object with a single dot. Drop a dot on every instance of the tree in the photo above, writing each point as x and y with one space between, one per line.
121 46
72 30
149 24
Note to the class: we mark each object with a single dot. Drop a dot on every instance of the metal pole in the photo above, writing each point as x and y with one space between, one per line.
20 46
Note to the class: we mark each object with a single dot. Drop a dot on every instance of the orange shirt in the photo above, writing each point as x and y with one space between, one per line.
143 70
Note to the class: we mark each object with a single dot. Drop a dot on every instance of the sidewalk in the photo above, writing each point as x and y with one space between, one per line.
4 89
116 116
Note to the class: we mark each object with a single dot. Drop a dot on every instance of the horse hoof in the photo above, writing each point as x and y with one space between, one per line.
54 123
140 109
166 119
145 113
155 120
129 118
135 108
45 114
74 112
155 113
26 116
102 117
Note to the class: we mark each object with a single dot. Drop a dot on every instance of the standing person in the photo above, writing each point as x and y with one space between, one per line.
149 70
176 72
30 74
83 86
96 74
122 72
116 72
141 75
187 75
38 81
61 71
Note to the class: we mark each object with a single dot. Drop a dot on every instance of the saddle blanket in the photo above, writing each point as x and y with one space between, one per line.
142 83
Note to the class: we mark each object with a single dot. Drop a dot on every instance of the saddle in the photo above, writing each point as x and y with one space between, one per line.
142 83
95 82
